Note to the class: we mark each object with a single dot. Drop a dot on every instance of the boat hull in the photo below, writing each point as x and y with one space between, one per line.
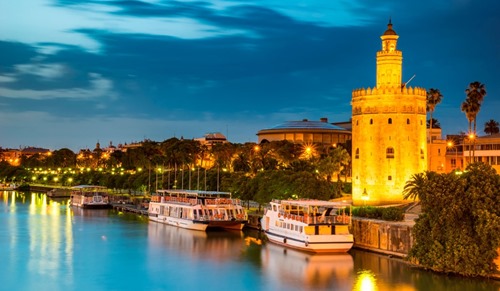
92 205
232 225
179 222
324 244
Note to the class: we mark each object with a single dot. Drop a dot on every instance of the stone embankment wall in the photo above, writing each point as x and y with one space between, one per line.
392 238
387 237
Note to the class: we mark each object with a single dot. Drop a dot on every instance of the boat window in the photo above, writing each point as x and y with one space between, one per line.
274 208
301 228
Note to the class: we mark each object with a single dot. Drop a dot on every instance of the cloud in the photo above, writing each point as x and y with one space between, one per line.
7 79
45 71
98 87
61 24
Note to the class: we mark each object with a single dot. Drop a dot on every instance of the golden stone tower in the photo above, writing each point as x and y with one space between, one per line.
388 131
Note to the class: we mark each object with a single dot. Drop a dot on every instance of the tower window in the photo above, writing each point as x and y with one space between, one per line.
389 178
371 121
407 121
389 121
389 153
422 154
356 122
420 122
357 153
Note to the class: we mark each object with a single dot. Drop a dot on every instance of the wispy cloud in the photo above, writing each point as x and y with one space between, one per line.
45 71
99 87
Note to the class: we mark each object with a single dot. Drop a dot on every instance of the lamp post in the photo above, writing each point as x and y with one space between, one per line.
364 197
472 140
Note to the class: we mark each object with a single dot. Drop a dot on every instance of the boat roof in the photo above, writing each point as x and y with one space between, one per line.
88 187
193 192
311 202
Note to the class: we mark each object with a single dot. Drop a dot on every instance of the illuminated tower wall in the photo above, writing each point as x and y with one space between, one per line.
388 131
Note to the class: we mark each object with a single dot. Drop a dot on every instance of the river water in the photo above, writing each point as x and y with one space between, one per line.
46 245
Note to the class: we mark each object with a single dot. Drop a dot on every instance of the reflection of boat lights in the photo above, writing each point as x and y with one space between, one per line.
251 240
365 281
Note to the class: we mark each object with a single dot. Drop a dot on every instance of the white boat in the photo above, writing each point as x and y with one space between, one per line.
309 225
90 196
197 210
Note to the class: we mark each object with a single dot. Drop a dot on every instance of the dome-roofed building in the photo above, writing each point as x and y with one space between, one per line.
212 138
305 131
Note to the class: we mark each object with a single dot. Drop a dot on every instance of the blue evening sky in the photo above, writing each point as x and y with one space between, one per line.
76 72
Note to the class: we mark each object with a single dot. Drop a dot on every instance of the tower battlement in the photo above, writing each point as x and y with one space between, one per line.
389 90
392 53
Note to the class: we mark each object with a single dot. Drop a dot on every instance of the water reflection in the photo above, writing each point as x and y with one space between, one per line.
45 227
47 245
214 244
310 271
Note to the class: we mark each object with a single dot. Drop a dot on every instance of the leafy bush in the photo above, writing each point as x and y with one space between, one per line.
347 188
393 214
389 213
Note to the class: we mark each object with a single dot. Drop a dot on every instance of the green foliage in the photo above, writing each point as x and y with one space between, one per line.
383 213
393 214
459 229
268 185
347 188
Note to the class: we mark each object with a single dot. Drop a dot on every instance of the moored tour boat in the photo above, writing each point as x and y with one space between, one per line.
309 225
90 196
197 210
59 193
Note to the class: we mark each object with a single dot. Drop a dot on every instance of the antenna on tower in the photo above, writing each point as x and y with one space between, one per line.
406 83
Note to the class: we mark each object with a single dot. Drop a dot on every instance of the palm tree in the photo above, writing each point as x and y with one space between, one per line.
434 97
472 104
435 123
475 93
491 127
470 109
415 187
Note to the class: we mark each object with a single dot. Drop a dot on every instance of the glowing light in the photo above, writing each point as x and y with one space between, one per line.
365 281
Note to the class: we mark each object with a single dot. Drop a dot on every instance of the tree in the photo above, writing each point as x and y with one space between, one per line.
434 97
470 109
471 106
415 187
475 93
435 123
458 230
334 163
491 127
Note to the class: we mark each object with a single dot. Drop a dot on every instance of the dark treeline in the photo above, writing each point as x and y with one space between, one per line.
279 169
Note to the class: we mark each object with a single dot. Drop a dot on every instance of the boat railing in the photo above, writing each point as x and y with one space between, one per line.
221 217
318 219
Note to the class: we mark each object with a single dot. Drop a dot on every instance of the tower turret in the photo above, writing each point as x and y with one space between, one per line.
389 60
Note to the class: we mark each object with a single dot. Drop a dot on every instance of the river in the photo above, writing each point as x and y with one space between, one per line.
47 245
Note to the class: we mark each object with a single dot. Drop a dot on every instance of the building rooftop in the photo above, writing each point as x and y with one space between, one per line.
306 124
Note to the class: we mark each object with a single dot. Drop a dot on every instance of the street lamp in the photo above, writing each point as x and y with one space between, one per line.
364 197
472 139
452 145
